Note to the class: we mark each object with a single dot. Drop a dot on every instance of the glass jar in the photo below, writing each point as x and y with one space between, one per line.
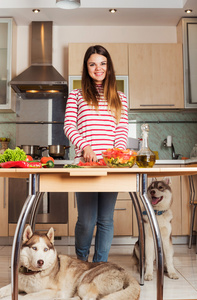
145 157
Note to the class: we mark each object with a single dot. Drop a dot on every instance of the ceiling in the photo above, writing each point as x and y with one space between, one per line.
96 12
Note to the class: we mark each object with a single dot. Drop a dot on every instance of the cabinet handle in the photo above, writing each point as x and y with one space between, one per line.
120 209
156 104
4 195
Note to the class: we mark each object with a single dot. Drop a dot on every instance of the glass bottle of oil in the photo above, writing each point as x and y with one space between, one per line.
145 157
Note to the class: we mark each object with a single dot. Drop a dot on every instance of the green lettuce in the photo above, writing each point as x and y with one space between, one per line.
13 155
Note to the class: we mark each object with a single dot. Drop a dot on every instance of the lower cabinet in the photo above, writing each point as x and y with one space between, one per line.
60 229
3 206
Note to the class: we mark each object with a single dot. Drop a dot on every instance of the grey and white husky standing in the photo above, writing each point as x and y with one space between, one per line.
160 197
45 275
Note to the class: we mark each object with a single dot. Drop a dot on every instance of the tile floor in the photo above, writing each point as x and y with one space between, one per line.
185 261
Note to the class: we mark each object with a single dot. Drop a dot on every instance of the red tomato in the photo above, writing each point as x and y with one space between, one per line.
29 158
44 159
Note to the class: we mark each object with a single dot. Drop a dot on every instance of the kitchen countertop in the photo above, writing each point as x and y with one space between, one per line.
176 161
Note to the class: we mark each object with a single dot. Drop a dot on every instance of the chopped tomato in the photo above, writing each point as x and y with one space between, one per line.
116 157
45 159
29 158
92 164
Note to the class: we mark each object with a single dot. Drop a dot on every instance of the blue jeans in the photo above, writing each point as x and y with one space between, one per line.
94 209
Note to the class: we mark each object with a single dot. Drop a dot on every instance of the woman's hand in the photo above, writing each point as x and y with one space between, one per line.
89 155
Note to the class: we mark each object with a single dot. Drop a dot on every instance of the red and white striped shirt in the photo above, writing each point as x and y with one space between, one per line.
85 126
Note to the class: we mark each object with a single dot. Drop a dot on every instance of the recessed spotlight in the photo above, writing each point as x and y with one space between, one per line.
36 11
188 11
113 10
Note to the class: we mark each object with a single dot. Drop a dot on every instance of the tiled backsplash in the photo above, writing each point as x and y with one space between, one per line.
182 126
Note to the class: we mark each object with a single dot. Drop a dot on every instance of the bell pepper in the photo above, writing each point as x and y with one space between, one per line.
20 164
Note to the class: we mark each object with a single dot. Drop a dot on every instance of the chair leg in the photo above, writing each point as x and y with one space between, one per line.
193 209
196 242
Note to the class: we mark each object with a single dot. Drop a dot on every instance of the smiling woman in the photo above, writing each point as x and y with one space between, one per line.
96 119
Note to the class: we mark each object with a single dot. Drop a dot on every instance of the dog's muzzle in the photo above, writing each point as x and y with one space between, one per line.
156 200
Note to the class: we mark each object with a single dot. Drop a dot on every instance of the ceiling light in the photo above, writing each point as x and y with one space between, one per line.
36 11
188 11
113 10
68 4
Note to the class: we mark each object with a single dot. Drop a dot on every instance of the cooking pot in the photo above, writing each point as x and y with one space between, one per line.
33 150
57 150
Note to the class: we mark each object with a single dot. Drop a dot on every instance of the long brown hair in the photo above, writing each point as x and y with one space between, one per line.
89 91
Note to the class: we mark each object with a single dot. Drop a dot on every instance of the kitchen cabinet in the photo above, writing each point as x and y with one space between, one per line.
118 53
122 215
7 63
155 76
177 226
3 207
186 35
60 229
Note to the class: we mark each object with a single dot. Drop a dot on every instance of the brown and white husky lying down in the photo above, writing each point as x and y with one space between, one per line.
45 275
160 196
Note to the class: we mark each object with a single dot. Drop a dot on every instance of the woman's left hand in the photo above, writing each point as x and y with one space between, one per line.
89 155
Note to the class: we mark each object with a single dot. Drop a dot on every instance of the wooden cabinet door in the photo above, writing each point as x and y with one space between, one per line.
118 53
156 76
3 206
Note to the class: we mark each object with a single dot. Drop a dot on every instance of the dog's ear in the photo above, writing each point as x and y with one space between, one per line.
153 179
27 234
50 235
167 180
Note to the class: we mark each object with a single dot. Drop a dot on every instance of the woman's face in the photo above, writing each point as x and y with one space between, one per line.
97 67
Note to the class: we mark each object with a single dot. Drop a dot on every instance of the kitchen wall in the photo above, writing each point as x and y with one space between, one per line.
184 134
182 126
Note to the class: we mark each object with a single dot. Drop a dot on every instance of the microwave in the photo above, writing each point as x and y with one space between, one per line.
74 82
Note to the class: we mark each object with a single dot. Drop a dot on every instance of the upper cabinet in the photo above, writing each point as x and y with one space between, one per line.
187 35
156 76
7 63
118 53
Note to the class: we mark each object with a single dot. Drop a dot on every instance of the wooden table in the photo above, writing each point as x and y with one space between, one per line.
133 180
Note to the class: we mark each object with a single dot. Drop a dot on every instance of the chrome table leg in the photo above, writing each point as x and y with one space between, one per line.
34 210
18 235
156 237
135 200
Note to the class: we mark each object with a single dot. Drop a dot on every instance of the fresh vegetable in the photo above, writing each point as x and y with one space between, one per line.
118 158
99 163
20 164
71 166
29 158
13 155
48 164
44 159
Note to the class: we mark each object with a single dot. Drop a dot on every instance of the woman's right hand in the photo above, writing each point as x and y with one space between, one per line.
89 155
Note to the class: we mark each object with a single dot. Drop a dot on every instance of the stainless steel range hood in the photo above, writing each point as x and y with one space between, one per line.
41 80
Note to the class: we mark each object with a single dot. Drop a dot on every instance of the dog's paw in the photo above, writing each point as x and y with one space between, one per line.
148 276
173 275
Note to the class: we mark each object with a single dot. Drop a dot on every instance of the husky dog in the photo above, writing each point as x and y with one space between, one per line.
160 196
45 275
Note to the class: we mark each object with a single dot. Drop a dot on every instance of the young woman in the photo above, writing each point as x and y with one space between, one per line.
96 119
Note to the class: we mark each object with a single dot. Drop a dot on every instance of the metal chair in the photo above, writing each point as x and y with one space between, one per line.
193 205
